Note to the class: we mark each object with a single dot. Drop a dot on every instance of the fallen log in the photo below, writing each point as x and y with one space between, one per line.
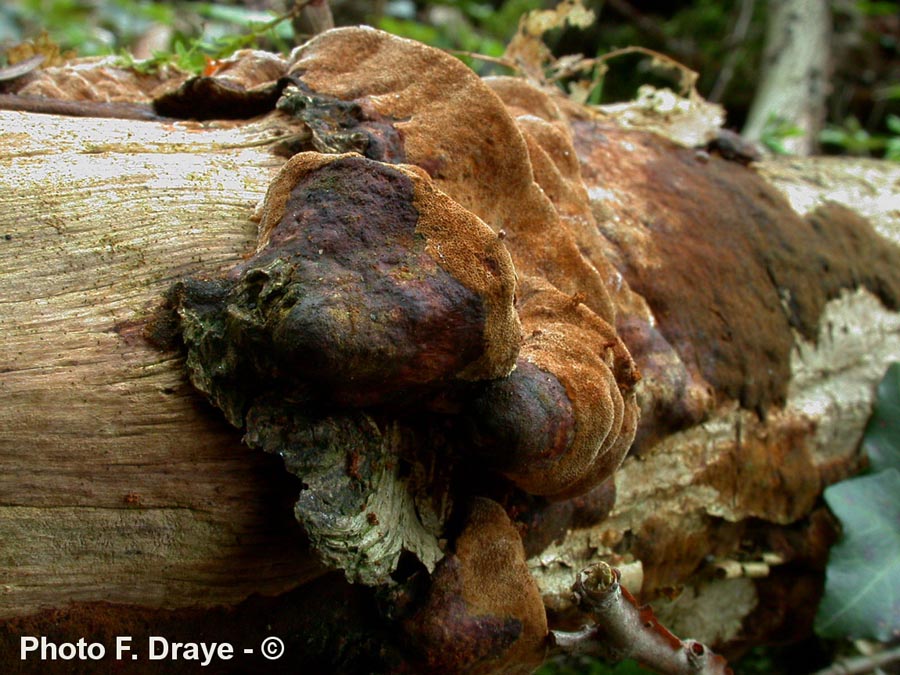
758 304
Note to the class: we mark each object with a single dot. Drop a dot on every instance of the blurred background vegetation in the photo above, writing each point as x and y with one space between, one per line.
721 40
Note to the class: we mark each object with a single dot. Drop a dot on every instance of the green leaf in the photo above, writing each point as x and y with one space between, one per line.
862 585
893 123
239 16
869 8
892 150
834 135
190 58
882 438
411 29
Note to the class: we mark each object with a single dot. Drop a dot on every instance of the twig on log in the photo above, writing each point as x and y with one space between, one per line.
623 630
651 27
55 106
21 68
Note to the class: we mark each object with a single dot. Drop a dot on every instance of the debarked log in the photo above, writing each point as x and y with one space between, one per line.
746 312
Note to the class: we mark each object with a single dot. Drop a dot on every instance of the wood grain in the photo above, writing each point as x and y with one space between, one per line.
117 480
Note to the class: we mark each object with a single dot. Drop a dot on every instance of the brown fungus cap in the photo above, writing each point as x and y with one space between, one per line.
484 614
569 409
459 130
387 231
376 282
453 126
503 150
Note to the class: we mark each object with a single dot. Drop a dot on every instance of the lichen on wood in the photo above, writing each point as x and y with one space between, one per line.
357 504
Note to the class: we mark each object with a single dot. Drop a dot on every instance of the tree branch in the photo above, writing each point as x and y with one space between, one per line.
623 630
733 42
314 17
796 69
650 26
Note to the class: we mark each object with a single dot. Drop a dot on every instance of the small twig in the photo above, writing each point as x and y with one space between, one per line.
623 630
738 35
497 60
688 77
728 568
651 27
862 664
312 17
21 68
735 569
55 106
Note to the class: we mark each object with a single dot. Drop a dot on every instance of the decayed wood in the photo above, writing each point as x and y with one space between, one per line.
738 488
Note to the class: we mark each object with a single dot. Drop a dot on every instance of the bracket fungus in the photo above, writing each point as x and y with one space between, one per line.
390 286
434 313
483 612
368 285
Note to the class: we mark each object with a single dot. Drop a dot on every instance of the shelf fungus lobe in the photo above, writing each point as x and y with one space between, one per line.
483 613
397 294
564 419
368 287
369 291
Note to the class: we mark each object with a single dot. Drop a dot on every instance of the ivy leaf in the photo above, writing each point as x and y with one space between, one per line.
882 438
862 585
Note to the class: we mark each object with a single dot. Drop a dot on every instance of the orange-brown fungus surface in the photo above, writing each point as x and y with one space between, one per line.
729 270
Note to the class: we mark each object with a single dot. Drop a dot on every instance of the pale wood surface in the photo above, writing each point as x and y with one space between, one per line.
117 481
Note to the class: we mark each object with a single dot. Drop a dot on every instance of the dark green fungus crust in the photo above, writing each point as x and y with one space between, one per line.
337 126
211 98
327 124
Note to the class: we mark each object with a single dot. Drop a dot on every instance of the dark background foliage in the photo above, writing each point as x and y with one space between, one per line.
721 41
